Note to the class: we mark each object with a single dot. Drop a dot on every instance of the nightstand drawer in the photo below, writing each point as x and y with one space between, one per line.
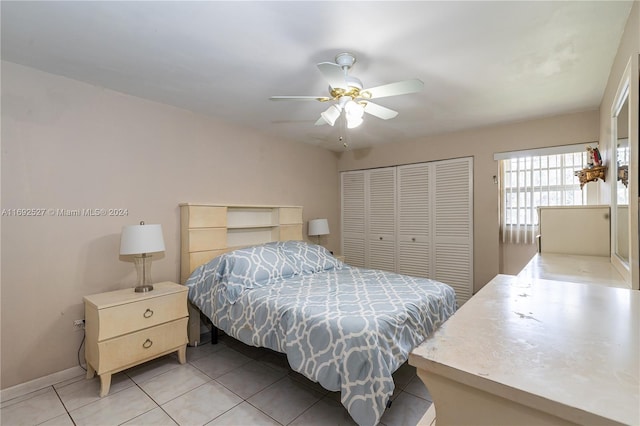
141 345
122 319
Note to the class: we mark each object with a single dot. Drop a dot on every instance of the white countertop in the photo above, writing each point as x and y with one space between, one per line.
574 268
572 350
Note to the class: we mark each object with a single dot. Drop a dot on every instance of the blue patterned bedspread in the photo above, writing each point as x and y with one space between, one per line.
346 328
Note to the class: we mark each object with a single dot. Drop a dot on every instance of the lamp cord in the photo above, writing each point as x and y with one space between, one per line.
81 343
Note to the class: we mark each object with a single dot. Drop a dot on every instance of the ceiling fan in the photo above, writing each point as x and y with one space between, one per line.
349 98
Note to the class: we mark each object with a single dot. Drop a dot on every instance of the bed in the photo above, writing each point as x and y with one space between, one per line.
346 328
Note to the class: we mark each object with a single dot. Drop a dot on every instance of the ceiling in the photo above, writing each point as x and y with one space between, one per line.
482 63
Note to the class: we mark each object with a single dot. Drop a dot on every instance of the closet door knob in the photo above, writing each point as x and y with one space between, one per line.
413 239
380 238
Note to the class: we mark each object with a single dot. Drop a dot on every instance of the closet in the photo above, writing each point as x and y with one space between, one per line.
415 219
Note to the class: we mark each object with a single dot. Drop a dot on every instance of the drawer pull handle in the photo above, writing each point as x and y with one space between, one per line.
413 239
147 344
380 238
148 313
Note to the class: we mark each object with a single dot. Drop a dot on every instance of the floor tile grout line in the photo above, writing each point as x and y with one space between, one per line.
239 396
20 398
155 402
278 381
108 395
309 408
150 397
90 402
247 399
61 402
177 396
262 411
211 380
158 405
159 374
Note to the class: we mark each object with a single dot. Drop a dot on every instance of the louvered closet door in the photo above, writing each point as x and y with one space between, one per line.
353 218
453 225
414 221
381 216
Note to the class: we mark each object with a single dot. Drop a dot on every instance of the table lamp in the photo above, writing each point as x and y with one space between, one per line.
141 240
318 227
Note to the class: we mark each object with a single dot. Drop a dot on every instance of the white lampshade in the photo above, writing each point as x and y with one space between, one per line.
138 239
353 122
331 114
354 109
318 227
354 113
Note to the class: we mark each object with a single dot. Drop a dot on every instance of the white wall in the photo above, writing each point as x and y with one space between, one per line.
70 145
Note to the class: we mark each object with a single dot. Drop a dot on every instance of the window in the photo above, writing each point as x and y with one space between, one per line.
623 159
530 179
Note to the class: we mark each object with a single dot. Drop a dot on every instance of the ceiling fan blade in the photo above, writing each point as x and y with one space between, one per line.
299 98
334 75
379 111
393 89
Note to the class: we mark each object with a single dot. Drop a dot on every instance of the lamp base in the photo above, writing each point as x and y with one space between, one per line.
143 268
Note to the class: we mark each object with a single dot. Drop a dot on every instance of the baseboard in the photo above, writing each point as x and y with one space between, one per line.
39 383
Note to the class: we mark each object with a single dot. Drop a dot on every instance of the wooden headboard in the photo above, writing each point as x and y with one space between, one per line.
208 230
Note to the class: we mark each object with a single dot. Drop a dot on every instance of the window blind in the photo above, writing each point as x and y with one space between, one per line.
537 178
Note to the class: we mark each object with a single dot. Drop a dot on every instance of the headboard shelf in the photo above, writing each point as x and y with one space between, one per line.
242 217
208 230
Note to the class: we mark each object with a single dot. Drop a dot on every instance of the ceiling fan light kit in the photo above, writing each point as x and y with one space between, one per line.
354 109
354 122
331 114
349 96
353 114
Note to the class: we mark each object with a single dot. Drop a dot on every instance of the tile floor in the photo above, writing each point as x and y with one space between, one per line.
224 384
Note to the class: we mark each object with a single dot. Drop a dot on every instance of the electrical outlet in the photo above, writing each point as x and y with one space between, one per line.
78 324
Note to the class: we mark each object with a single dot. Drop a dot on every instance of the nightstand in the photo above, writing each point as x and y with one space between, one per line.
124 328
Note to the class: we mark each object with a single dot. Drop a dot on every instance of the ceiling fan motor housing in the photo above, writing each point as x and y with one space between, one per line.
353 82
345 59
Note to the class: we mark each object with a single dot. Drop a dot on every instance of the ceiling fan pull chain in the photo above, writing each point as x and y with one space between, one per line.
343 129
